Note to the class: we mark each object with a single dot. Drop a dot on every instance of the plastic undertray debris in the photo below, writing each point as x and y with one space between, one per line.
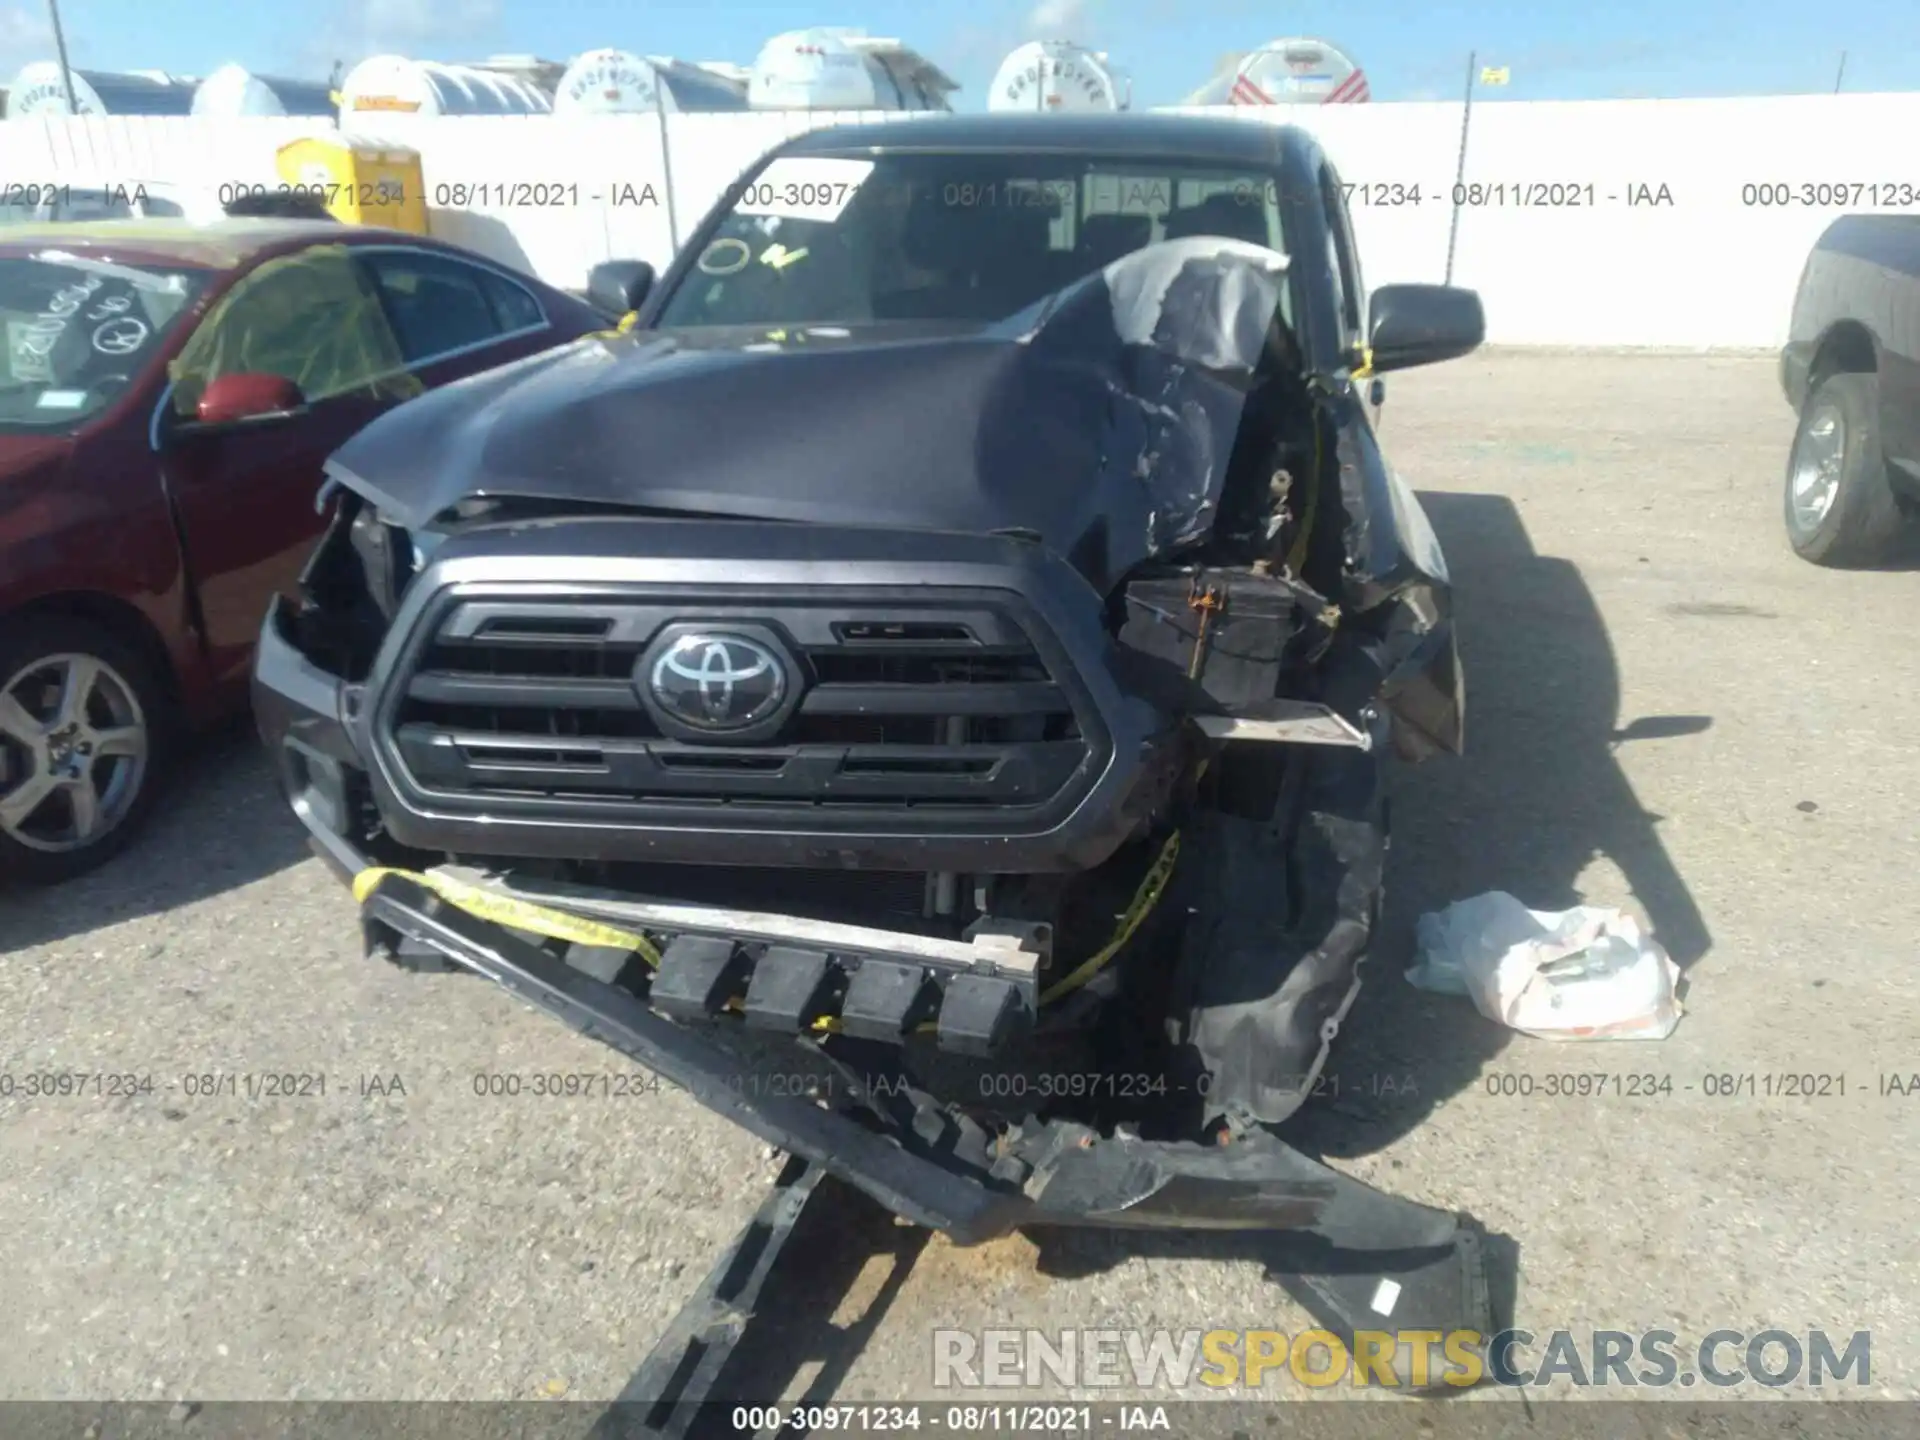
1365 1249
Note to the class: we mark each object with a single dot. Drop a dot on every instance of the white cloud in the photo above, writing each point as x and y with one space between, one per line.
1057 19
25 36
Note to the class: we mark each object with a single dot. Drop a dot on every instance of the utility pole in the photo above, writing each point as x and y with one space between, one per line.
1841 73
60 45
1460 174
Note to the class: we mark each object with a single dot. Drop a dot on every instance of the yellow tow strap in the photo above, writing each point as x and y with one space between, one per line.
517 914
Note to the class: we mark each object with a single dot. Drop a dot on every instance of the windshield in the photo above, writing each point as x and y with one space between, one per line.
78 331
821 240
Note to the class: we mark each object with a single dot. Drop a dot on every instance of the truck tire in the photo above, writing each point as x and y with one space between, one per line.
85 730
1840 509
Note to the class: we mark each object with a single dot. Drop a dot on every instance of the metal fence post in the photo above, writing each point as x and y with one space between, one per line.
60 46
666 163
1460 173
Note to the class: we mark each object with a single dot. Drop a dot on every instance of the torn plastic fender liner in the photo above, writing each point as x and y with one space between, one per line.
1262 987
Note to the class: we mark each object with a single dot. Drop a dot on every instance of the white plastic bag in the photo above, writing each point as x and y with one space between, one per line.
1582 974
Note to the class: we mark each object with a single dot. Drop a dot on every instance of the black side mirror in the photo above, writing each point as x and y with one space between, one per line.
616 288
1421 324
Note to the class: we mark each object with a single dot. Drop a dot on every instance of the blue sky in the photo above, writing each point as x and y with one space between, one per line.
1410 49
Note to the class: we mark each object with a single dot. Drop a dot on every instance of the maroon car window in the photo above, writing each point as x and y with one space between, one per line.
513 303
439 306
78 331
312 318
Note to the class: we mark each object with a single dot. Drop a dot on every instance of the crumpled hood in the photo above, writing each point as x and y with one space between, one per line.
1100 420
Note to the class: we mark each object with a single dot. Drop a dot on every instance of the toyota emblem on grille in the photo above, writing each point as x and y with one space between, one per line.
713 681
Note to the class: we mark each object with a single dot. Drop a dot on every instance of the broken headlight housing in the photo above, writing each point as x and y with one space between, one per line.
351 586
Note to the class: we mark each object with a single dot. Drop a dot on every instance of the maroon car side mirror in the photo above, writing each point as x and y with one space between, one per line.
248 397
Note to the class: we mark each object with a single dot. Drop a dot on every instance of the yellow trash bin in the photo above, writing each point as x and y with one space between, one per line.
361 181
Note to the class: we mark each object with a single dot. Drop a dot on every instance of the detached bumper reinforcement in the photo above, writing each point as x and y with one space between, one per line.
672 1393
1379 1262
922 1192
979 994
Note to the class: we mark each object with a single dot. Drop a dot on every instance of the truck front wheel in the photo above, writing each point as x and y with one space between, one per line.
1840 509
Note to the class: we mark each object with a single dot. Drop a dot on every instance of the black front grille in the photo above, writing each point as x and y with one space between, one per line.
936 710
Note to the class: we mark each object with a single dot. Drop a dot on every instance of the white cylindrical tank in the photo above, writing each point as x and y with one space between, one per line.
614 82
606 82
395 85
233 90
38 90
1298 72
1055 76
817 70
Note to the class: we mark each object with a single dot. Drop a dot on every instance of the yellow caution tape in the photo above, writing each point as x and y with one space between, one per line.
1144 899
515 914
1297 552
627 322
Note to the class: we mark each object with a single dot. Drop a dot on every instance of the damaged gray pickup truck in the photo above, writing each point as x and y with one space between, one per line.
945 645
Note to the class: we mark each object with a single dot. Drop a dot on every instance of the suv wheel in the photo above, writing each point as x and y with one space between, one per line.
83 723
1840 509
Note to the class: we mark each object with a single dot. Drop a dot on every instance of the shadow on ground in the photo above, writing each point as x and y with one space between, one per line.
1537 797
220 825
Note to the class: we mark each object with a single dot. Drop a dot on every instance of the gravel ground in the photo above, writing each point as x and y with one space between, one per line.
1667 711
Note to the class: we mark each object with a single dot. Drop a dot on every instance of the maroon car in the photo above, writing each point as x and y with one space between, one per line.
169 394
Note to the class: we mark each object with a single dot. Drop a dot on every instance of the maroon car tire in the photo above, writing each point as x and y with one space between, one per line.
86 729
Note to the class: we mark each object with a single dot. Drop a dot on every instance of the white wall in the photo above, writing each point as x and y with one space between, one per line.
132 149
1705 270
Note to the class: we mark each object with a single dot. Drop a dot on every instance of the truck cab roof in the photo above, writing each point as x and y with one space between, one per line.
1129 133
